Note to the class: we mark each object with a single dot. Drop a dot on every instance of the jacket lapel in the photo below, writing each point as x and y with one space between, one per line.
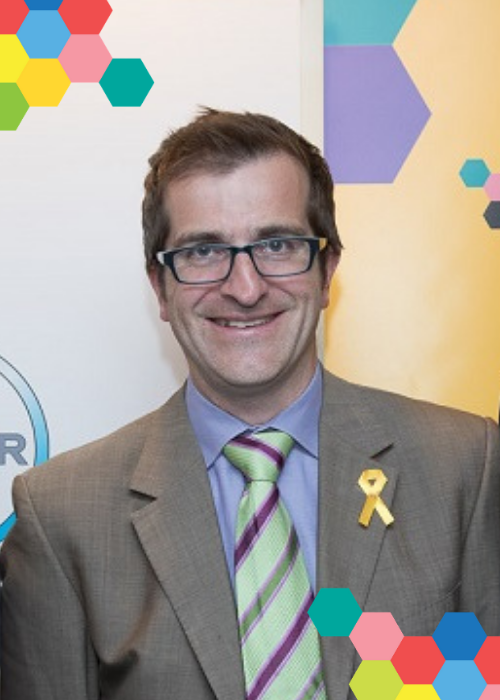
350 440
179 532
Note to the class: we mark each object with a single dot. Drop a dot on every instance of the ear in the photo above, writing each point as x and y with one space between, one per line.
157 278
331 262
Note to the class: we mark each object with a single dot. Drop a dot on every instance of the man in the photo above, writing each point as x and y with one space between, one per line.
120 580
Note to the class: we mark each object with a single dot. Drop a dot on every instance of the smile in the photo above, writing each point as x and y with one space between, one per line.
227 323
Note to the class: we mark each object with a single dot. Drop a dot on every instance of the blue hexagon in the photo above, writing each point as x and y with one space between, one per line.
459 680
459 636
354 22
492 215
474 172
43 4
126 82
43 34
334 612
374 114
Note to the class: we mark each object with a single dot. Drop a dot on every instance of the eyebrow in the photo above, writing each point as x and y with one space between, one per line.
271 231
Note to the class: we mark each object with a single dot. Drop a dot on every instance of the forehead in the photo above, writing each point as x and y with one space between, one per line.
271 190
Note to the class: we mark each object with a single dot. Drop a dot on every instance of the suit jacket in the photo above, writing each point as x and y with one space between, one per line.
115 582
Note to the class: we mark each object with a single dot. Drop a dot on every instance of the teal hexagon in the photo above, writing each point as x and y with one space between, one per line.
474 172
334 612
358 22
376 680
126 82
13 106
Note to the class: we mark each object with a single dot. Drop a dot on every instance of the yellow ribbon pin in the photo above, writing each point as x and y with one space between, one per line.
372 482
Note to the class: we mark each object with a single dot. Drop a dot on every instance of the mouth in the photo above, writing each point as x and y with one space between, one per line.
244 323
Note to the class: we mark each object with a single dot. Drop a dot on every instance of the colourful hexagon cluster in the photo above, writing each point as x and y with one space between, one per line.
459 662
45 45
475 173
374 113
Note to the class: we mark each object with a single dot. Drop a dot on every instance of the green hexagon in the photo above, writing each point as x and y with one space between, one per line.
474 172
334 612
13 106
376 680
126 82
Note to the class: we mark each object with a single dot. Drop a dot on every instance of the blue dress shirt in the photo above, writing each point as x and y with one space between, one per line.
298 482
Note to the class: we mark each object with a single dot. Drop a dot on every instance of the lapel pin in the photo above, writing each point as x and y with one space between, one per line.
372 483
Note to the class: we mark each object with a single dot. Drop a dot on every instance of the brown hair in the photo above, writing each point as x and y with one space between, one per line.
219 142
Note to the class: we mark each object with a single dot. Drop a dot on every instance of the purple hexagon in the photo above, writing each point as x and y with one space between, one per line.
374 114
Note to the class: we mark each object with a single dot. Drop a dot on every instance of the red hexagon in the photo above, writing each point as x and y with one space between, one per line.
487 660
85 17
12 15
418 660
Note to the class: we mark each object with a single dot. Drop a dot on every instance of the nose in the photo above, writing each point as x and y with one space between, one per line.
244 283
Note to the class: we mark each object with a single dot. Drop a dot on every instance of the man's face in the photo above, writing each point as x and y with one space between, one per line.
248 335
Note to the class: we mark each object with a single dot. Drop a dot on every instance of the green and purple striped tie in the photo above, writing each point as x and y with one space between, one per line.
279 643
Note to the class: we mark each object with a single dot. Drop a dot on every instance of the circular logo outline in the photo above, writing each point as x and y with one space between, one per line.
37 420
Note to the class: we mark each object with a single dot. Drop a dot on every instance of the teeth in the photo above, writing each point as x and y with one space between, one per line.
243 324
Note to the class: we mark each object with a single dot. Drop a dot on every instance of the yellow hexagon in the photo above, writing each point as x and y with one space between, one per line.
13 58
43 82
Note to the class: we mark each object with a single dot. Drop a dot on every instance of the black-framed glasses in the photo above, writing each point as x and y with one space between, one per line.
203 263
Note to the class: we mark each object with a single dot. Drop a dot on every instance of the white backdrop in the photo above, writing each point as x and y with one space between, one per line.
77 317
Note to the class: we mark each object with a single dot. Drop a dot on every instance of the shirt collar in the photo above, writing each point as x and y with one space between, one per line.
214 427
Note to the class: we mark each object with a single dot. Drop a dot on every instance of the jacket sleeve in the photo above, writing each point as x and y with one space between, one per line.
46 650
480 589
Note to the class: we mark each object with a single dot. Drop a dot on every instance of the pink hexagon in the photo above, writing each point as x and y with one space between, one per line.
376 636
85 58
492 187
491 692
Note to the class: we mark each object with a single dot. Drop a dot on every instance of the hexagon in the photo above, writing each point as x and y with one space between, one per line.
43 82
374 114
492 214
43 34
491 692
376 680
354 22
418 660
474 172
13 58
13 106
334 612
418 692
126 82
43 4
487 660
87 17
12 14
459 635
459 680
492 187
376 636
85 58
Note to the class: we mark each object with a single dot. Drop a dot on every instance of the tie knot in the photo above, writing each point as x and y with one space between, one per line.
259 456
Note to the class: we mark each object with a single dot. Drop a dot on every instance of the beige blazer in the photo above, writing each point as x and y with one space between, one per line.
115 582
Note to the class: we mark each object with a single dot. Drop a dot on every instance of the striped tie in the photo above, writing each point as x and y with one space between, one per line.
279 643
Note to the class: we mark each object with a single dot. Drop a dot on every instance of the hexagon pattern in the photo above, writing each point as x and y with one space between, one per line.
126 82
85 17
459 636
487 660
13 58
475 173
43 34
85 58
376 636
459 662
334 612
12 14
374 113
417 660
47 44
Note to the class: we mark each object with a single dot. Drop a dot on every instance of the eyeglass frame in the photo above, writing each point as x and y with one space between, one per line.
316 245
